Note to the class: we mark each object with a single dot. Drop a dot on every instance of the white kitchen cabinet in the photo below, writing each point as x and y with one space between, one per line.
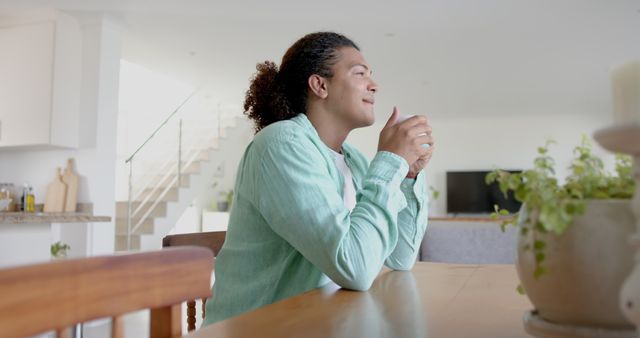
40 74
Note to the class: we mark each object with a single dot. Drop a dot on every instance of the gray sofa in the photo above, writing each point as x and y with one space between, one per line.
468 241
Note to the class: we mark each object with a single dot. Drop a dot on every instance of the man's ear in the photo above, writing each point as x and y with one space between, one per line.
318 86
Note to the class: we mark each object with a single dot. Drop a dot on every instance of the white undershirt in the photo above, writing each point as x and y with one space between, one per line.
348 190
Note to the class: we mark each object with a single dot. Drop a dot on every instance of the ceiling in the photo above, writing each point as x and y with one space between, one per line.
445 58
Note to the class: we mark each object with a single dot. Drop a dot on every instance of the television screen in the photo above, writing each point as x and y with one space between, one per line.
467 192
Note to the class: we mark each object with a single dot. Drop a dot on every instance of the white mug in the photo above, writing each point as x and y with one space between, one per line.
404 117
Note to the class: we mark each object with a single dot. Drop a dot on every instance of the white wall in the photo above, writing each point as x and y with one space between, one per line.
485 143
95 159
147 98
231 150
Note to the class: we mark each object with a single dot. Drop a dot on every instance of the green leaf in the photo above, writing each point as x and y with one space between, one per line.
600 195
540 257
540 228
521 193
435 192
539 271
570 208
491 177
520 289
539 245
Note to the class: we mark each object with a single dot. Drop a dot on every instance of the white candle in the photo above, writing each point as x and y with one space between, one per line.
625 81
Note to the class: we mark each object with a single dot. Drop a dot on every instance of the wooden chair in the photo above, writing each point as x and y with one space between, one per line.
56 295
212 240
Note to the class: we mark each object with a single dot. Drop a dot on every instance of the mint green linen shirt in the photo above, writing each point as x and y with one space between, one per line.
290 231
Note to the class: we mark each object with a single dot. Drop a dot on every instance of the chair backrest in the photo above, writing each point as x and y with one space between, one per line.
56 295
212 240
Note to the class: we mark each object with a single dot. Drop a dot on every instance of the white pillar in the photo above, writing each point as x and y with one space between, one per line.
99 111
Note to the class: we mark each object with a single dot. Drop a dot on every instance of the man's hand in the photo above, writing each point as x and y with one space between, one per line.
420 163
405 138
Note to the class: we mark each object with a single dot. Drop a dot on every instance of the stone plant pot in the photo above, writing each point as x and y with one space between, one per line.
586 267
223 206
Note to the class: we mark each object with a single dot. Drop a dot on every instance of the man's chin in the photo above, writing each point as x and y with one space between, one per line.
367 122
371 118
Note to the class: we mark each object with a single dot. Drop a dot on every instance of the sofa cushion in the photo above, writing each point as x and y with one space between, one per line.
469 242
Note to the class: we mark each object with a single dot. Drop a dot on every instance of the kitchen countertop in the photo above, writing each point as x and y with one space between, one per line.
50 217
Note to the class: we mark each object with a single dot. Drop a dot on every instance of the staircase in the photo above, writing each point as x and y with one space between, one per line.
159 204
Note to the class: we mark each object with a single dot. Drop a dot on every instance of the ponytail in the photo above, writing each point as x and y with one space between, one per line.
276 95
265 101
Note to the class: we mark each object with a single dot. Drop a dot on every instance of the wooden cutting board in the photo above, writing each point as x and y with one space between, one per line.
56 194
71 180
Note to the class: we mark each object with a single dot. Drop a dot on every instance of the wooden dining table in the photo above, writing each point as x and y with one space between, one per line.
431 300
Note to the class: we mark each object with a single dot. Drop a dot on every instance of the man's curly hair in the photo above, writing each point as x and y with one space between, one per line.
280 94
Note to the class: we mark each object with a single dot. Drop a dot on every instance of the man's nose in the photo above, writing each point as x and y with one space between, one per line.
373 87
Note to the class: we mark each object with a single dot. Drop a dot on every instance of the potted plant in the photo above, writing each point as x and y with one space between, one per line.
573 253
59 250
224 202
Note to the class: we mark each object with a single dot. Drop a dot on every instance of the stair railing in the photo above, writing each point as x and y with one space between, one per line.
170 167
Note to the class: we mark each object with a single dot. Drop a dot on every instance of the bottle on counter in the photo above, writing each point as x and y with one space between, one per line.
6 193
11 194
23 198
31 201
28 199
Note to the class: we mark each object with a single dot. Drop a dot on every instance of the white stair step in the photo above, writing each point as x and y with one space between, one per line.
156 179
160 210
121 242
203 155
195 177
193 168
152 195
145 228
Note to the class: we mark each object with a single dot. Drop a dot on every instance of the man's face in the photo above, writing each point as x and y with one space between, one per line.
351 89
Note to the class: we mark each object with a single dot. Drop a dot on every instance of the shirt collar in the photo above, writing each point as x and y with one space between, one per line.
303 121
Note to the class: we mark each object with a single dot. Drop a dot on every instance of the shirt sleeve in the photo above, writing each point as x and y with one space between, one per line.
300 202
412 224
